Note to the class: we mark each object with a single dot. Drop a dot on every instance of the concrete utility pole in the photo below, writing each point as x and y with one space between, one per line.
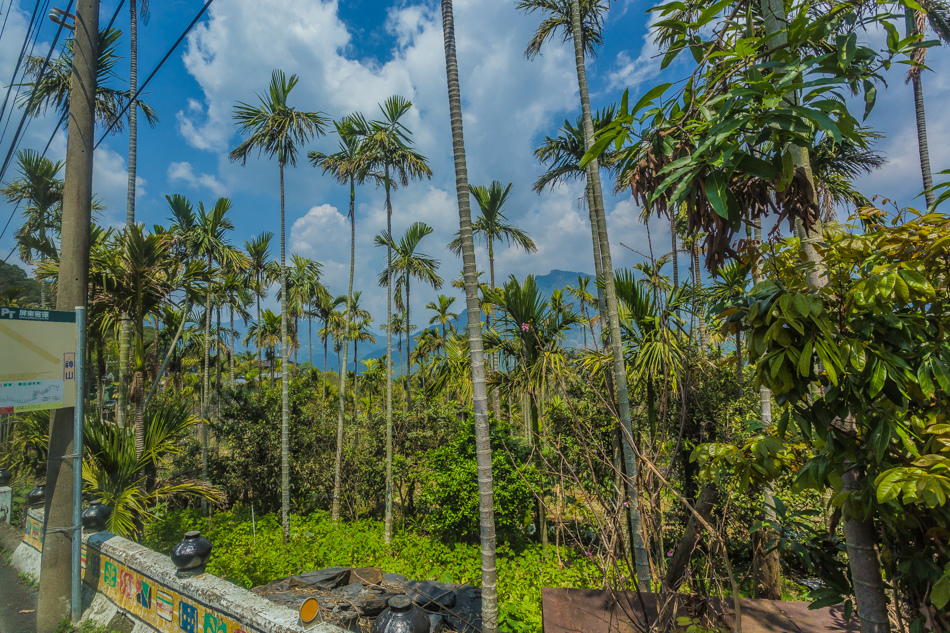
54 597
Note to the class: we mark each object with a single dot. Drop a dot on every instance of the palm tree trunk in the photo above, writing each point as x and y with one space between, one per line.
610 293
260 348
539 466
217 366
675 253
495 358
766 565
284 378
486 507
310 337
698 282
170 352
206 404
121 400
100 374
598 263
338 462
326 352
389 366
231 341
910 16
408 352
860 536
126 326
139 388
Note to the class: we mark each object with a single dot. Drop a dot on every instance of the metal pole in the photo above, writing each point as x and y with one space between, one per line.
78 413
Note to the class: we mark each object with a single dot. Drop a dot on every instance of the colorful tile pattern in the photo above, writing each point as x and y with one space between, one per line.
141 596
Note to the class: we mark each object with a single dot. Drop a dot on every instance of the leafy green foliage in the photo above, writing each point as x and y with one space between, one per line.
317 542
450 492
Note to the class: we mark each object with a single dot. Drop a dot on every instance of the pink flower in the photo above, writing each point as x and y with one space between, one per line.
525 327
669 554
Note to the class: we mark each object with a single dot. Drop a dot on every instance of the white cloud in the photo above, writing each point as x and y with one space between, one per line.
184 172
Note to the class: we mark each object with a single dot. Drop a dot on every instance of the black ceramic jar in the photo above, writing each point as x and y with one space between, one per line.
37 496
191 554
95 516
402 616
5 476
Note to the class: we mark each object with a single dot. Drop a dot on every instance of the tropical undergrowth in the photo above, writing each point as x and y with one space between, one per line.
251 552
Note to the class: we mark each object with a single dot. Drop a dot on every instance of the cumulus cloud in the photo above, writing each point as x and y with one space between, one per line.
184 172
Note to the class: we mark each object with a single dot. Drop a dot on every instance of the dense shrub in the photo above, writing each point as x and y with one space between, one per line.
450 492
254 554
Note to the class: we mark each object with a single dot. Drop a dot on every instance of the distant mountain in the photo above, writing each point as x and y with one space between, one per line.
546 283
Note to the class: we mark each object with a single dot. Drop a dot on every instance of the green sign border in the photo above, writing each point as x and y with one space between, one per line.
39 316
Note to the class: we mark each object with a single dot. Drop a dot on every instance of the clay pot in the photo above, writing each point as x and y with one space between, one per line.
5 477
191 554
95 516
37 496
402 616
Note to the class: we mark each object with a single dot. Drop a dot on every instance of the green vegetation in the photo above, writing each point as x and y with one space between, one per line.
779 421
317 542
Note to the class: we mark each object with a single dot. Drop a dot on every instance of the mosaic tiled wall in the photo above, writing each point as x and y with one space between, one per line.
142 596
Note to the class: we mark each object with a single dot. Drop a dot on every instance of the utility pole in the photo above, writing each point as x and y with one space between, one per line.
54 596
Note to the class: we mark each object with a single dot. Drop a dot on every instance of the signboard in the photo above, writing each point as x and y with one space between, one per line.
37 359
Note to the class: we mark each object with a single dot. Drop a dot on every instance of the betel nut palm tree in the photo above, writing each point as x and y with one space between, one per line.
258 253
476 352
581 22
387 149
209 239
274 128
346 165
40 188
407 264
443 313
493 226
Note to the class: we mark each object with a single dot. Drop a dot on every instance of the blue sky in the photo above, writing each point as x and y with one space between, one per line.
350 56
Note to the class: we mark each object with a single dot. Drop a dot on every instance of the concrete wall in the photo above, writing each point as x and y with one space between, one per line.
123 580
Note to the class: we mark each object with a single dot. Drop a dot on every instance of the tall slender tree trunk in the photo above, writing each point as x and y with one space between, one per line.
260 347
389 367
408 352
598 262
674 255
698 282
766 565
53 601
338 462
610 294
284 377
486 508
913 27
170 352
206 391
310 337
495 357
860 536
140 390
231 341
125 330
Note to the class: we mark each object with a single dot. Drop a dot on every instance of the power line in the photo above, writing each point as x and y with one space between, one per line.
35 38
5 16
16 135
16 67
152 74
124 110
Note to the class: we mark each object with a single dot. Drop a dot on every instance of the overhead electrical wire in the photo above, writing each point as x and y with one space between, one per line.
16 67
39 78
161 63
35 39
152 74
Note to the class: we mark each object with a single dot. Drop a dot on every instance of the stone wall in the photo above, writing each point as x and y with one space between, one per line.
125 580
